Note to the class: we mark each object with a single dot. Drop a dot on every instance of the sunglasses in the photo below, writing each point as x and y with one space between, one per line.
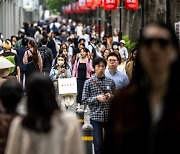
163 42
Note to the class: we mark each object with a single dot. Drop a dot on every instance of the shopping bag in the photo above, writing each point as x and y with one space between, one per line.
67 86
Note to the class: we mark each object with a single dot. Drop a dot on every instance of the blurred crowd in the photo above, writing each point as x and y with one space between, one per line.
132 95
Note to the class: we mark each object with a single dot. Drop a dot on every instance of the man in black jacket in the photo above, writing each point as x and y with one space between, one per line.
47 56
20 53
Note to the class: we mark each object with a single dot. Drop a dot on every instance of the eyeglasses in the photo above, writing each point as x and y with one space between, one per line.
112 60
163 42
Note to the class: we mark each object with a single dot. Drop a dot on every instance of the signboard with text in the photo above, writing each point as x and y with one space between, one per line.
131 4
110 4
177 30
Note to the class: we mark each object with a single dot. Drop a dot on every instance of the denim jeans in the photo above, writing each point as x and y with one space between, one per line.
97 135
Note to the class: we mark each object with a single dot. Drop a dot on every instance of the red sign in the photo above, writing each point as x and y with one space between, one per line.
110 4
102 3
97 2
131 4
89 3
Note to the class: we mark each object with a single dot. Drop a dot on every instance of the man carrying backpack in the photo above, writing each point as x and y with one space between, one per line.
92 49
47 56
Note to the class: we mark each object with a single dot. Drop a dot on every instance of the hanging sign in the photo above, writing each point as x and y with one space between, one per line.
89 3
97 2
102 4
82 5
110 4
131 4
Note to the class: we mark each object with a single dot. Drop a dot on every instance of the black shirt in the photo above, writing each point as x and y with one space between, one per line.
82 71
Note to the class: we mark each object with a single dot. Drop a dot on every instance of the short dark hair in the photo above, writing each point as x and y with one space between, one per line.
11 93
97 60
25 41
113 54
44 41
82 39
92 39
70 40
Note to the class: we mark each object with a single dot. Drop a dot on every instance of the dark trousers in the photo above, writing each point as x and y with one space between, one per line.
80 85
98 135
22 75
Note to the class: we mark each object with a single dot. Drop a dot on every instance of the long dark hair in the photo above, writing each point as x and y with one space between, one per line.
66 66
41 103
34 52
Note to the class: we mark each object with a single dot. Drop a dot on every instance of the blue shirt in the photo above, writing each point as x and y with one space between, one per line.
121 80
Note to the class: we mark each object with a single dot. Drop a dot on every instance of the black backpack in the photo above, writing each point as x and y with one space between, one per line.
54 28
93 51
45 57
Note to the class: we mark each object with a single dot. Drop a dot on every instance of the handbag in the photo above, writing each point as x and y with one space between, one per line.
67 86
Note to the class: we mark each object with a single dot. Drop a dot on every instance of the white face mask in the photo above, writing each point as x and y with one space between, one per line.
60 63
115 46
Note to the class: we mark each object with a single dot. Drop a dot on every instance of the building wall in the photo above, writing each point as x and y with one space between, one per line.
9 19
174 11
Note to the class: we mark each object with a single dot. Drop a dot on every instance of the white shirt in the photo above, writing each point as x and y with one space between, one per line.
123 52
79 29
86 37
115 39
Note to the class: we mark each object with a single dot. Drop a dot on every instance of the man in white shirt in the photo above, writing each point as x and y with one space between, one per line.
79 29
93 50
115 37
121 80
86 37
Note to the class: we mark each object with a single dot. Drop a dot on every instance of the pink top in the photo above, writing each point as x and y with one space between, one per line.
88 68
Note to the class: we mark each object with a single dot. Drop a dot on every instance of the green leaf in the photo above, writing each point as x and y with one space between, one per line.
128 44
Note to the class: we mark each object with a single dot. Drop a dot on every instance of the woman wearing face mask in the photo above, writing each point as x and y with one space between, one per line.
82 70
64 51
61 70
115 46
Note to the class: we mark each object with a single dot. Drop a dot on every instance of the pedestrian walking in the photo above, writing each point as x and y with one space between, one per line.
32 59
131 64
5 64
15 72
123 51
45 129
96 93
106 53
20 52
120 79
10 94
144 117
46 55
82 71
61 69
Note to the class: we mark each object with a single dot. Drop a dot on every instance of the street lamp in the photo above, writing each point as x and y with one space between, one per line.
120 18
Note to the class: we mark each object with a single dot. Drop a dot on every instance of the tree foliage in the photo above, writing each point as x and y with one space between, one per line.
129 45
55 5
